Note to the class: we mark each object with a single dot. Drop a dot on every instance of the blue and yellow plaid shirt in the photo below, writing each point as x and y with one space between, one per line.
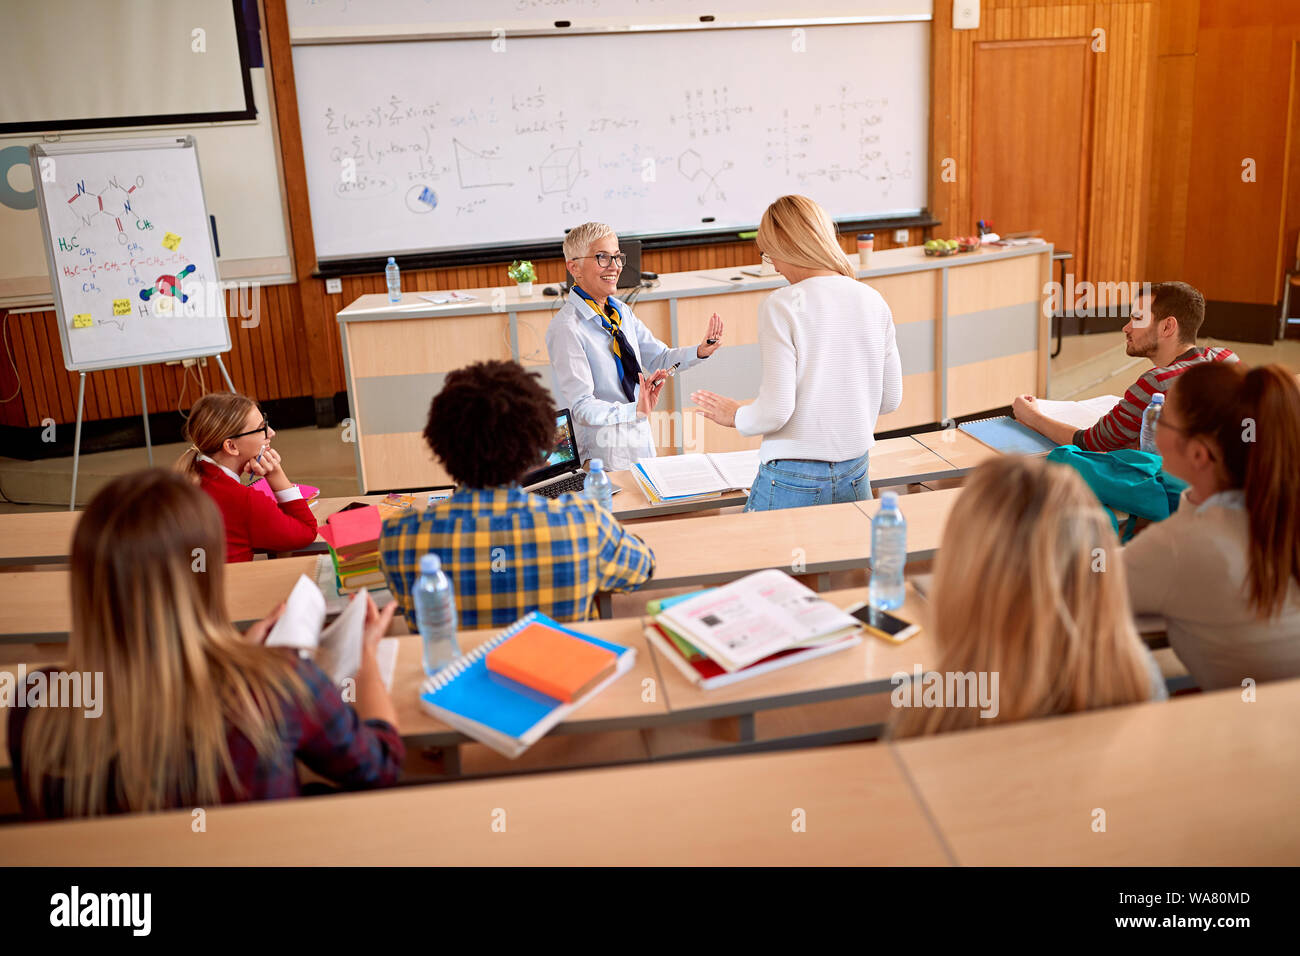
508 552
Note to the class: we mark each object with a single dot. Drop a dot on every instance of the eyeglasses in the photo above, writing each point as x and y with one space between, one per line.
263 428
603 259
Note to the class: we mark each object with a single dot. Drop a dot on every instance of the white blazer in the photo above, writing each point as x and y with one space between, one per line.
587 376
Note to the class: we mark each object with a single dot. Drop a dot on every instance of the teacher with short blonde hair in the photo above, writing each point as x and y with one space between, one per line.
609 368
830 367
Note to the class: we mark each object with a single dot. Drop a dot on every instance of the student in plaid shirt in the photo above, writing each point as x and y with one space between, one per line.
506 552
1163 327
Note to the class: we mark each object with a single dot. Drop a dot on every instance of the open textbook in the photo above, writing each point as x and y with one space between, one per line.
689 476
337 647
755 617
1082 414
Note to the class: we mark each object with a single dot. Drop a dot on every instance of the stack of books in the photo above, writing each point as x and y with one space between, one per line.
688 477
761 623
509 691
353 539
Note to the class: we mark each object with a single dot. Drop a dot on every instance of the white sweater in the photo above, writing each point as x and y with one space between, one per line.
830 368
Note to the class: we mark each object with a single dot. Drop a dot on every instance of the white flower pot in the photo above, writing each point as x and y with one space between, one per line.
525 289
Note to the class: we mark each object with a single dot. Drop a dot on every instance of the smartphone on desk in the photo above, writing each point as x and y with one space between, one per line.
886 626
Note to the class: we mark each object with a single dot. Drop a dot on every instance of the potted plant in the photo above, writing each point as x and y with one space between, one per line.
524 274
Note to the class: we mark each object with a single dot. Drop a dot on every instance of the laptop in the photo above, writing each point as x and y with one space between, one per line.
561 472
630 277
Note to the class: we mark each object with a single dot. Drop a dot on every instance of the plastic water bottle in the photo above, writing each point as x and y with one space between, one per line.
435 615
597 486
393 276
888 554
1150 417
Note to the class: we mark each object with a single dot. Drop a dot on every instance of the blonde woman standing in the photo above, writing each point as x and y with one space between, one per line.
229 437
1029 585
192 713
830 367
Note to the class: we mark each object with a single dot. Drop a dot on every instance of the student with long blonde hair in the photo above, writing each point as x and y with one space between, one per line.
193 712
1029 585
830 367
230 436
1224 569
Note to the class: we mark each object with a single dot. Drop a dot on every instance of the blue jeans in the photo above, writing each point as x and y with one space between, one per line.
798 483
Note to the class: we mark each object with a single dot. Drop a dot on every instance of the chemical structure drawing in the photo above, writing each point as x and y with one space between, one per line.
168 285
787 143
846 107
708 113
115 201
560 171
691 165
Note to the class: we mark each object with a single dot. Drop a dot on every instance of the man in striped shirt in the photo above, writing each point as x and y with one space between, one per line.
1162 327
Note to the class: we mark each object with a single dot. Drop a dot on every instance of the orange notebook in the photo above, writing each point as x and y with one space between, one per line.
557 664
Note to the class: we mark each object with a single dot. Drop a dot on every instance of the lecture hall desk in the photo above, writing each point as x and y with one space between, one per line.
1203 780
46 537
724 811
971 332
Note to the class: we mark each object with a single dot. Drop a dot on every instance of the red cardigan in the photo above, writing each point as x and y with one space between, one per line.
255 521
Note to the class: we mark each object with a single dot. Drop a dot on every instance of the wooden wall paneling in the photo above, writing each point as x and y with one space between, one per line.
1242 91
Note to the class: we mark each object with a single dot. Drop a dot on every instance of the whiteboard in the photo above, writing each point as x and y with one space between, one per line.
74 64
126 233
325 20
242 182
444 144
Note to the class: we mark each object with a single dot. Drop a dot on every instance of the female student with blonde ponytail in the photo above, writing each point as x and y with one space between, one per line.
1029 585
229 437
190 713
1224 569
830 367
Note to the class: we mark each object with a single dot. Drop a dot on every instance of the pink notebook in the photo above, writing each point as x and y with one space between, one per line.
308 492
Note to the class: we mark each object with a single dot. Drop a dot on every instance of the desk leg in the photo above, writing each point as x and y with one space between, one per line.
604 605
745 726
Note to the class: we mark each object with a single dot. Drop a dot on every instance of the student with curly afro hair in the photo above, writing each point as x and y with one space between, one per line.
506 552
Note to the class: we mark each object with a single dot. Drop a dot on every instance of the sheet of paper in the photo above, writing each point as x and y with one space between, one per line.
299 626
443 298
738 468
386 657
1083 414
339 654
679 476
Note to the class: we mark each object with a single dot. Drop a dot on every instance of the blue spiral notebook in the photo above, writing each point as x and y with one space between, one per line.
499 712
1008 436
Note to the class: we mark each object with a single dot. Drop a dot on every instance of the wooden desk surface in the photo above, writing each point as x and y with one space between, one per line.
620 705
957 448
926 514
863 669
1203 780
46 536
707 550
896 461
859 810
34 605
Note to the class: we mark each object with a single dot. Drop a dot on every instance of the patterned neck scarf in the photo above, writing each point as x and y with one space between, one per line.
611 320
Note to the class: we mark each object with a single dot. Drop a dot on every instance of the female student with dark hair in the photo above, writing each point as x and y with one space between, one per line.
1224 569
229 437
193 713
1029 586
